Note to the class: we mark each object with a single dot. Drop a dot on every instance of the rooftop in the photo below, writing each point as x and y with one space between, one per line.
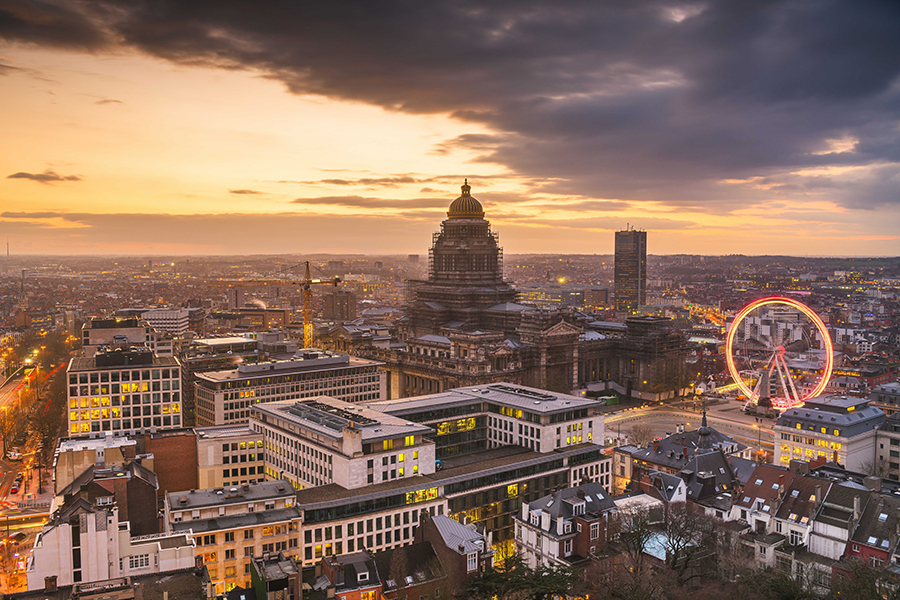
223 431
253 492
302 362
247 519
506 394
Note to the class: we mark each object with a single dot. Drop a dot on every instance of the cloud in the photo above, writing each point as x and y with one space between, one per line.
373 203
30 215
47 177
247 192
7 69
642 101
109 101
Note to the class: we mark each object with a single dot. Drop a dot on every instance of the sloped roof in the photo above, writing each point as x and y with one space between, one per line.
878 523
799 502
708 475
511 307
422 565
454 534
665 484
762 489
837 507
596 500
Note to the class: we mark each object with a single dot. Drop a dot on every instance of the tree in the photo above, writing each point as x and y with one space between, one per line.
640 434
690 539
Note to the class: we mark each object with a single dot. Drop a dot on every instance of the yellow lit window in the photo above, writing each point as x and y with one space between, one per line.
73 403
85 415
84 403
799 426
388 444
401 471
568 441
410 440
95 413
104 401
824 430
176 407
590 436
415 455
95 401
415 469
104 412
836 432
85 427
145 386
74 428
73 416
243 445
512 490
259 443
165 409
116 412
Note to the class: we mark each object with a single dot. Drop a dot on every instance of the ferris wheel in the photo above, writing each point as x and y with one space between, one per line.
779 353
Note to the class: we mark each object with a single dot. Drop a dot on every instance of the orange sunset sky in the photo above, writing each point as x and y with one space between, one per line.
260 128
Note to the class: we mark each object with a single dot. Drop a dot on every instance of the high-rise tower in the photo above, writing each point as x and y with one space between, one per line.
631 269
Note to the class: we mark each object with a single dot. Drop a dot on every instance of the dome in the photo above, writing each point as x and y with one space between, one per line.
466 207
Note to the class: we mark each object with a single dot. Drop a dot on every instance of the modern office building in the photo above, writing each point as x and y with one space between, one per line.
113 333
473 419
324 440
631 269
339 305
123 390
174 321
834 428
225 397
229 455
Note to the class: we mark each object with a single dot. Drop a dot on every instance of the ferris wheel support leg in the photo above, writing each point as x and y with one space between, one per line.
796 396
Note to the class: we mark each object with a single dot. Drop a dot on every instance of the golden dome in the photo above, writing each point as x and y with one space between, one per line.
466 207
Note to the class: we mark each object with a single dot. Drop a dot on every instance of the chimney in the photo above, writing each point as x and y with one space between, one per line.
873 483
818 495
855 508
50 583
780 486
656 446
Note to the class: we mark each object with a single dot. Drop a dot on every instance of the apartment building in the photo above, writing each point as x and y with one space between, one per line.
231 525
174 321
225 397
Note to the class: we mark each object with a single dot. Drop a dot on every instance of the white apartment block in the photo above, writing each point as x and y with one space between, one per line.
835 428
229 455
84 543
123 390
109 334
225 397
171 320
324 440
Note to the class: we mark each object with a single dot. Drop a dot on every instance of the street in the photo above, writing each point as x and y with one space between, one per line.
725 417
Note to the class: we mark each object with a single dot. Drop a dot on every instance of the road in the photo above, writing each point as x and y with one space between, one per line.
726 418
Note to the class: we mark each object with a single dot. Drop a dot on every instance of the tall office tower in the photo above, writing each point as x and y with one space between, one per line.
339 305
631 269
235 298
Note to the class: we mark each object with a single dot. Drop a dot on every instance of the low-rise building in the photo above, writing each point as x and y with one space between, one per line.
831 428
231 525
85 542
464 550
564 528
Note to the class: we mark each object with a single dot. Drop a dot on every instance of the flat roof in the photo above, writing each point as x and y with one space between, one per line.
287 367
512 395
490 462
224 431
329 417
90 364
264 490
248 519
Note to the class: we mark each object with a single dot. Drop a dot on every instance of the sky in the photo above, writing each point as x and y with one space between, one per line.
180 127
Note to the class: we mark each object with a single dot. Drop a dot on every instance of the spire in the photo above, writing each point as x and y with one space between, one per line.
704 433
466 188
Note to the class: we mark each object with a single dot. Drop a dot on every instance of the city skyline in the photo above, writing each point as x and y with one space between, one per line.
159 129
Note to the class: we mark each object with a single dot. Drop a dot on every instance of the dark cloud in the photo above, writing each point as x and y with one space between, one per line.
47 177
363 202
247 192
109 101
640 100
30 215
7 69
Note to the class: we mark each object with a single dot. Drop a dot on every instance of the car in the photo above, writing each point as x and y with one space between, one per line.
14 454
20 477
15 488
16 537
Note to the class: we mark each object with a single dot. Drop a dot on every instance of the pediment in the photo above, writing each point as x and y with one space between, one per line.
562 328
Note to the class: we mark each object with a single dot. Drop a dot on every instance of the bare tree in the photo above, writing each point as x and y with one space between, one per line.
640 434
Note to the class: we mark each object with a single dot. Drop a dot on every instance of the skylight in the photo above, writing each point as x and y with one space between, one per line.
795 493
759 482
882 517
872 541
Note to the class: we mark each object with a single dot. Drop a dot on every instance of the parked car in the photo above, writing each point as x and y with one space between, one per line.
15 488
20 477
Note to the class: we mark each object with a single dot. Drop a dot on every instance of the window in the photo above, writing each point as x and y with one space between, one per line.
472 561
229 554
762 550
595 530
139 562
796 538
567 547
229 536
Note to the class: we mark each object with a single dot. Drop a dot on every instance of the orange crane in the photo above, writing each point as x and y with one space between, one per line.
307 282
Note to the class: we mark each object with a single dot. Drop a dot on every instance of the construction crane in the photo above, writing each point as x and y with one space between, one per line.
307 282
